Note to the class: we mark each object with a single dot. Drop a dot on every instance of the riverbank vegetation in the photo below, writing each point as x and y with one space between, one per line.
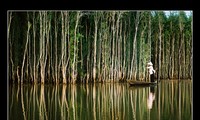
98 46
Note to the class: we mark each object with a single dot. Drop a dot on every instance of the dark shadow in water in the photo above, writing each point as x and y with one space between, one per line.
168 100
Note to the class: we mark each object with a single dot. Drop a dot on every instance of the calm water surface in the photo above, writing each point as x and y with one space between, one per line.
169 100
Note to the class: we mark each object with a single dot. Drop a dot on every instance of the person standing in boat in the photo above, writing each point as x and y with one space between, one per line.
151 71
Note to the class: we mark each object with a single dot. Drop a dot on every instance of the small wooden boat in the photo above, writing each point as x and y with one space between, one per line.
141 83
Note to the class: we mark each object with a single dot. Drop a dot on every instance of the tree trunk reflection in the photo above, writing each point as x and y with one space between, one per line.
167 100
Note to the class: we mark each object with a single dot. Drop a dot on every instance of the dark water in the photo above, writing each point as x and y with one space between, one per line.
169 100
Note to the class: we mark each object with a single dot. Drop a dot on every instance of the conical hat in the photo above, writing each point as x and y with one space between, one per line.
150 63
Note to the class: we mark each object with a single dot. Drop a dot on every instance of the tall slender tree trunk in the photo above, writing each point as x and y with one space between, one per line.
47 52
64 46
160 40
99 55
162 57
74 71
25 52
81 60
43 49
117 58
149 43
173 57
34 54
41 46
128 52
184 59
69 51
142 56
120 45
56 51
51 64
113 46
10 48
88 53
95 49
134 46
170 56
180 48
124 55
191 58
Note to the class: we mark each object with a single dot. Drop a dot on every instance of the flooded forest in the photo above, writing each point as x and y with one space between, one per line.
98 46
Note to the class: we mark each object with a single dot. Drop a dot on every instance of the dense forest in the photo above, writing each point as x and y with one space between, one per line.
98 46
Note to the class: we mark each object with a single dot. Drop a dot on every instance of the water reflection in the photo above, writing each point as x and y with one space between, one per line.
151 97
168 100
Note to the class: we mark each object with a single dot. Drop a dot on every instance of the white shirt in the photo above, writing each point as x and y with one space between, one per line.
151 70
